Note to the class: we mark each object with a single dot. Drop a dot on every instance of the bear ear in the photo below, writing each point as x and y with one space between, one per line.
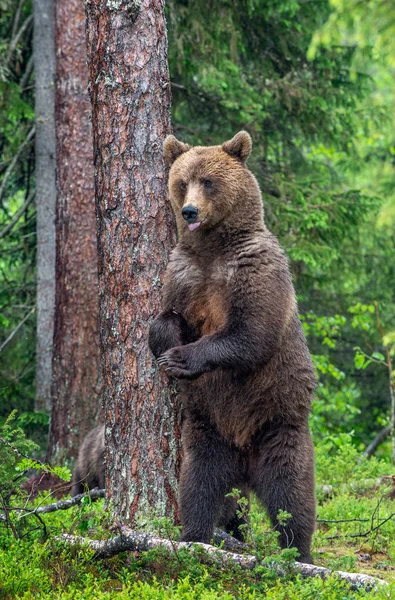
172 149
239 147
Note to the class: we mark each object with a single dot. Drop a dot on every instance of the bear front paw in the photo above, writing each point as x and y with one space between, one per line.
181 362
165 332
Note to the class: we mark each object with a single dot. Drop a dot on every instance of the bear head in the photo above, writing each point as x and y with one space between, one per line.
210 185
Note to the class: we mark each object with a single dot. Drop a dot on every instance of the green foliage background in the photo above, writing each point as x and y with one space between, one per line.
312 83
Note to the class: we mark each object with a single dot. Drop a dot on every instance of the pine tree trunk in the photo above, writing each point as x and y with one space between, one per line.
44 69
130 93
76 390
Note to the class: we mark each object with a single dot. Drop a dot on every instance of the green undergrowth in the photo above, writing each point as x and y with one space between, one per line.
355 532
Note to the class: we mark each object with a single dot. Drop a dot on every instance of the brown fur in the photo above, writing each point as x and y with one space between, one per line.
230 332
89 471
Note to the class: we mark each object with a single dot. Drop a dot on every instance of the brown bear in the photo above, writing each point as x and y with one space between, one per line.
230 332
89 470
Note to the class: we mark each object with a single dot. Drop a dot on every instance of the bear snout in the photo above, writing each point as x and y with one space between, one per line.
190 213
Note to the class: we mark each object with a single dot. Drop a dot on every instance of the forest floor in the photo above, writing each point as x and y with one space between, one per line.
355 533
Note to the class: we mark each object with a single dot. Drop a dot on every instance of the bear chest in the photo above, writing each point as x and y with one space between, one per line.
206 311
203 292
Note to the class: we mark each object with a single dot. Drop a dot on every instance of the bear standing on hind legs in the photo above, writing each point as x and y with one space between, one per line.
230 333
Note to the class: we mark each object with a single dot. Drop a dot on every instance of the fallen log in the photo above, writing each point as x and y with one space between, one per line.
130 540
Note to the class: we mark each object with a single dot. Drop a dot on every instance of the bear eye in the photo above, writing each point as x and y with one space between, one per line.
183 186
208 184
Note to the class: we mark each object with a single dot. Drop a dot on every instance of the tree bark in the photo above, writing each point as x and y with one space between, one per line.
130 93
76 388
44 68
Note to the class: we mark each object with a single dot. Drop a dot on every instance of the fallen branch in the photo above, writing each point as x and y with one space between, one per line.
343 520
220 537
130 540
65 504
138 542
61 505
364 534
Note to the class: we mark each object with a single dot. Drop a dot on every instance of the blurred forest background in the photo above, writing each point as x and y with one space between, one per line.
313 82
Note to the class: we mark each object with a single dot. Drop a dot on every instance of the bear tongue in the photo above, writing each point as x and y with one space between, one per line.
192 226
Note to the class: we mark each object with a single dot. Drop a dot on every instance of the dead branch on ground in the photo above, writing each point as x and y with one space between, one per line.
61 505
130 540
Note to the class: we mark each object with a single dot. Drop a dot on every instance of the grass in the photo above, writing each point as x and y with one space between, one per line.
36 566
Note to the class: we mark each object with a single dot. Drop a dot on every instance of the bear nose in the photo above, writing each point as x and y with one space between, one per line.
189 213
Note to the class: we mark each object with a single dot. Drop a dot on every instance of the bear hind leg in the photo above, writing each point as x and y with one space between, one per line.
283 479
210 470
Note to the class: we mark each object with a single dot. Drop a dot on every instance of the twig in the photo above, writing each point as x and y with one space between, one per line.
229 542
376 511
7 341
6 517
17 17
18 215
65 504
17 37
135 541
365 534
61 505
343 520
26 76
42 523
14 161
21 454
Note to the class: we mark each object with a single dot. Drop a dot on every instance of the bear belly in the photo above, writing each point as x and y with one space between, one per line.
240 404
236 405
